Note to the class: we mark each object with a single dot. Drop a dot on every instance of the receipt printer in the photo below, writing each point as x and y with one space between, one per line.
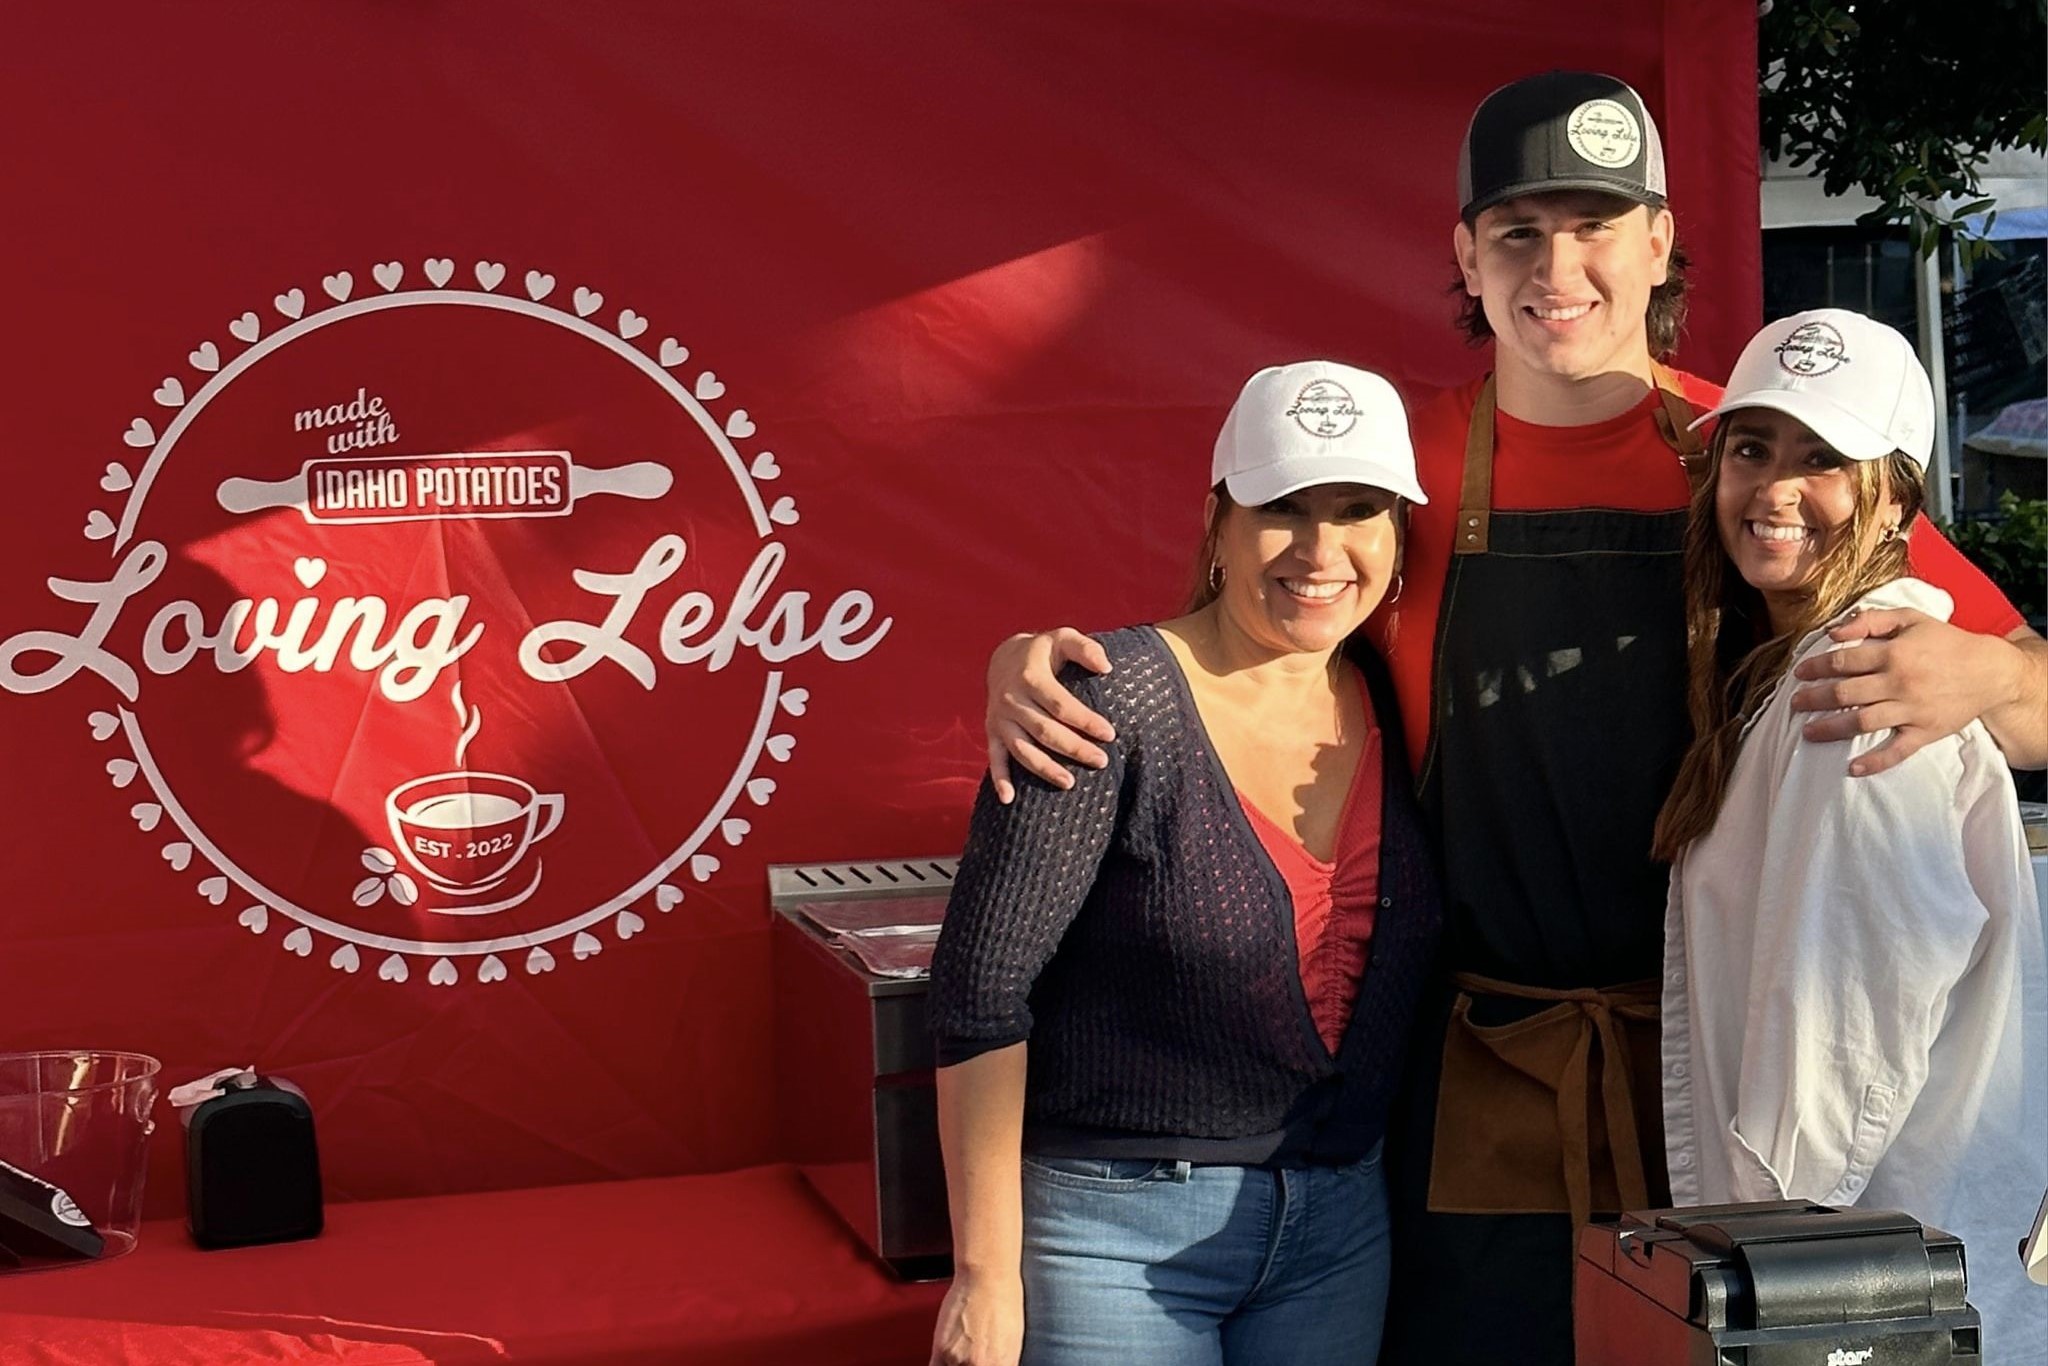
1782 1284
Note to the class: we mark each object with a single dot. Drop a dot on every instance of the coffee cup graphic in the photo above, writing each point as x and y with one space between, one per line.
466 831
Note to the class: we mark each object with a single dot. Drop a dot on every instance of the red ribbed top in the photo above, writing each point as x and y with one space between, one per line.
1335 901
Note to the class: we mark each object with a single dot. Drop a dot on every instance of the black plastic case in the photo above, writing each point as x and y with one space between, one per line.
252 1169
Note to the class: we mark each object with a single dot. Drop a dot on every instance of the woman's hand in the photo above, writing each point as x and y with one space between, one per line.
1029 712
981 1321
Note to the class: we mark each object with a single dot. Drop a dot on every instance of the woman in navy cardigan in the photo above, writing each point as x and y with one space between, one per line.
1171 995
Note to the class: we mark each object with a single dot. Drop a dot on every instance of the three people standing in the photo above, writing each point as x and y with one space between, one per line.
1538 655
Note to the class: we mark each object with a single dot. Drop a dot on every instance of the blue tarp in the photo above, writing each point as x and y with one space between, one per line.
2011 224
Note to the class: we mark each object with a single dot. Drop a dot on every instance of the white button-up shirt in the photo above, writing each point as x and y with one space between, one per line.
1853 994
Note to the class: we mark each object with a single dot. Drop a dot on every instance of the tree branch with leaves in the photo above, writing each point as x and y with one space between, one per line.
1904 99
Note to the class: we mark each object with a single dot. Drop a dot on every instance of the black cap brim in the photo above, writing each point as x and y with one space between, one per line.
1635 194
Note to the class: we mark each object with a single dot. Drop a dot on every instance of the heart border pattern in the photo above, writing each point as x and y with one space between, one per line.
215 366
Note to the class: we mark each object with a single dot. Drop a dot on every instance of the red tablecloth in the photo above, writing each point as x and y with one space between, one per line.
738 1268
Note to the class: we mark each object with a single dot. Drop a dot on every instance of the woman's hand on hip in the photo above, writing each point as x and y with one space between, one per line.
1030 713
981 1321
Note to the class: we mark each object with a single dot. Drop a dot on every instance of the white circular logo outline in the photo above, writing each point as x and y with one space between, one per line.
666 897
67 1211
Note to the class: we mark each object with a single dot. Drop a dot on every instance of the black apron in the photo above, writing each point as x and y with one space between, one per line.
1559 719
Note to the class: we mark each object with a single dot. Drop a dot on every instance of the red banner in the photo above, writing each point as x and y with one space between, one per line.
490 478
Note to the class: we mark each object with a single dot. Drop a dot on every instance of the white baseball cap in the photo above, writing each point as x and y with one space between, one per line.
1314 422
1854 381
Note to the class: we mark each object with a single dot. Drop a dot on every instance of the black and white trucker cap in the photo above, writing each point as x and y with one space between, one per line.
1562 130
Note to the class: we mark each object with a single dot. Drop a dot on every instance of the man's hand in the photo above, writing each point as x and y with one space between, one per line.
981 1322
1924 680
1029 713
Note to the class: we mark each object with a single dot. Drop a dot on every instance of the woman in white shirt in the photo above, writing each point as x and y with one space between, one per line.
1845 1015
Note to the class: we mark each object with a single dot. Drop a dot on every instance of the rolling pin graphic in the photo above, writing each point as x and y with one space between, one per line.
465 484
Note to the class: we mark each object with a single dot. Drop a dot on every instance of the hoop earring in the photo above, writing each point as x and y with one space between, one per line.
1891 533
1215 576
1399 583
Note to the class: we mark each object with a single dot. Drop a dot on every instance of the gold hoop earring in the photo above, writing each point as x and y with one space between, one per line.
1891 533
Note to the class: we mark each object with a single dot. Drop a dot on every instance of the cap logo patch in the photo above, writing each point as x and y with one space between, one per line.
1605 133
1812 349
1324 408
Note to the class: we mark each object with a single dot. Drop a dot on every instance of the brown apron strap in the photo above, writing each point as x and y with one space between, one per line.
1601 1011
1475 499
1674 420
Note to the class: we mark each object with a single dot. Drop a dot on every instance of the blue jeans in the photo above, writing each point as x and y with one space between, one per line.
1141 1263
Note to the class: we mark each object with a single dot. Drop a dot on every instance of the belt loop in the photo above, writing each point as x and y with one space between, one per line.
1182 1170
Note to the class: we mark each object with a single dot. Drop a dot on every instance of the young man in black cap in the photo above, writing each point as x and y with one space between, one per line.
1539 656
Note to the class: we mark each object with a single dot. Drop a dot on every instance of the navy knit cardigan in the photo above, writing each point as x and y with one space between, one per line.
1136 932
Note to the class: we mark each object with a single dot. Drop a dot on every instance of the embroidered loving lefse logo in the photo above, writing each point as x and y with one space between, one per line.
1814 348
1324 408
1605 133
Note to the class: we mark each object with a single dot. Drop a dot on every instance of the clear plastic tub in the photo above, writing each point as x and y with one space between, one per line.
80 1120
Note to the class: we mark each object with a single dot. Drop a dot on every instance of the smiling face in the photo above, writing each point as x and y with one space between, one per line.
1304 571
1784 499
1565 280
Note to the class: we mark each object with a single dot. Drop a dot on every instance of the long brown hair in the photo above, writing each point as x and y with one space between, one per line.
1730 675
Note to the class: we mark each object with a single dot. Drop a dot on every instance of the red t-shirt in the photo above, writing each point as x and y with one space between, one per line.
1624 463
1336 901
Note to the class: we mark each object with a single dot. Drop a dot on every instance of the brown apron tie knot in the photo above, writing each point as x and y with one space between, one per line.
1554 1049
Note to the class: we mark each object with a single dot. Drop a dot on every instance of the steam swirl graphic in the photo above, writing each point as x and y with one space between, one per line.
472 719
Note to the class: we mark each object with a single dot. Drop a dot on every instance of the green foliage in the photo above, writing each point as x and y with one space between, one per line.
2012 547
1904 98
